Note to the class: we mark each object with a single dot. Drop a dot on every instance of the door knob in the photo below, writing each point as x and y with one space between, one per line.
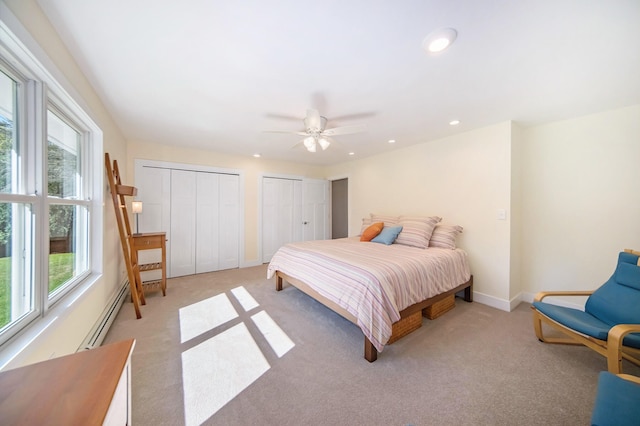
305 223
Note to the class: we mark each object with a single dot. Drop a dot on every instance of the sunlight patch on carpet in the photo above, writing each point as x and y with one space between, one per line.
277 339
246 300
204 316
217 370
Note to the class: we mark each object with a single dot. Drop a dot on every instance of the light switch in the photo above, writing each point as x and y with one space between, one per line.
502 214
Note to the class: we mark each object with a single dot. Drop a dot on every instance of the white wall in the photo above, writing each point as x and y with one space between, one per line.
464 179
581 199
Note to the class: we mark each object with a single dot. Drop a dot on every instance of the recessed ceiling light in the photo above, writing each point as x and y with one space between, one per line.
352 153
392 141
454 122
439 40
257 155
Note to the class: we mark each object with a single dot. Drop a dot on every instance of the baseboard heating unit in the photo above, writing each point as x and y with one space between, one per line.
99 331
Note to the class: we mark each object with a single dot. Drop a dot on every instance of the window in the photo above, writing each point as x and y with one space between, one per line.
68 210
50 201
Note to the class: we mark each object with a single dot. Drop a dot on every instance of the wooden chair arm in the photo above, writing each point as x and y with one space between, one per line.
630 378
541 295
614 345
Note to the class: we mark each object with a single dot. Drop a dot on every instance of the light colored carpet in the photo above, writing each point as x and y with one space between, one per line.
208 355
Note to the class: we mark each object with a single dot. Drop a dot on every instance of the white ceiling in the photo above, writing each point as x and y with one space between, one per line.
215 74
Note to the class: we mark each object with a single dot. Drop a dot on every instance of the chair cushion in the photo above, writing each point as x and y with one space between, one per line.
616 401
583 322
629 275
575 319
618 300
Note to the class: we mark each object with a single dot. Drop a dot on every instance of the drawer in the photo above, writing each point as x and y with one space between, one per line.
148 241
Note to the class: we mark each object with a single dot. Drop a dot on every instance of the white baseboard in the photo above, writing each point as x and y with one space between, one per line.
250 263
99 331
494 302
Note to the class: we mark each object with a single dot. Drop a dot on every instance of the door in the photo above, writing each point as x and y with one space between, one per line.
229 221
340 208
207 218
281 214
183 223
315 198
200 211
154 190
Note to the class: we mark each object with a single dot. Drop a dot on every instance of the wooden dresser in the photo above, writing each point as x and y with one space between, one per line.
86 388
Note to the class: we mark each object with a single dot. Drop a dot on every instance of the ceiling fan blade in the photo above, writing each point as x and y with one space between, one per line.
285 131
283 117
344 130
355 116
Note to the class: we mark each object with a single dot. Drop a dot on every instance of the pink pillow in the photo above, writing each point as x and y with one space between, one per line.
387 219
416 230
445 236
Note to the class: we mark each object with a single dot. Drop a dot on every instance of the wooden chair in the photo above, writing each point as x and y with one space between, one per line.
118 193
610 322
617 400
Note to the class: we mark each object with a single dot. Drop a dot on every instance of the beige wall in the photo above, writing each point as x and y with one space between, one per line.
464 179
252 168
581 203
66 332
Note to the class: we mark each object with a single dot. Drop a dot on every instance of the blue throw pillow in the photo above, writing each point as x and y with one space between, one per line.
388 235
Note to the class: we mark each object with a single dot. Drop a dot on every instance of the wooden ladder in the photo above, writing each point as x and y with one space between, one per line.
118 193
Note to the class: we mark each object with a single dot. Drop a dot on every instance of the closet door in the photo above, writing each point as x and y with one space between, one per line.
154 190
183 223
281 214
229 225
208 222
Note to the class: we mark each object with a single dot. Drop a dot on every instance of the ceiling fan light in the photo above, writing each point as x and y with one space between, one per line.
310 143
324 143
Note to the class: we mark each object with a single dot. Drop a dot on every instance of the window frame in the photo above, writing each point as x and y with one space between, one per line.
38 91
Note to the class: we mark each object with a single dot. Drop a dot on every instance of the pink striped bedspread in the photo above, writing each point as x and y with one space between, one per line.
372 281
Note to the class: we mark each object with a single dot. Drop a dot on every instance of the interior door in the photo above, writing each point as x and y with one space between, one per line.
154 190
183 223
281 214
229 222
207 219
315 201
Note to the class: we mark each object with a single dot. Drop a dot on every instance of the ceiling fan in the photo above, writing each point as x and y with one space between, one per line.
316 134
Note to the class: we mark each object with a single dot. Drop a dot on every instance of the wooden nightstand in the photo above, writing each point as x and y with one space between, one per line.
151 241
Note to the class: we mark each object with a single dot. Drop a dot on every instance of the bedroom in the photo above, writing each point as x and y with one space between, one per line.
567 186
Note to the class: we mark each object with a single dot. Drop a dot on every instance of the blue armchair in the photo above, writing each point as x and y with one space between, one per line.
617 400
610 322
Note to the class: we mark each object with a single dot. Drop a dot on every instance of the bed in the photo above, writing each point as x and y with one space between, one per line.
376 286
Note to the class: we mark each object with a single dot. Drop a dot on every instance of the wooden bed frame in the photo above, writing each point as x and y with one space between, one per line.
370 352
